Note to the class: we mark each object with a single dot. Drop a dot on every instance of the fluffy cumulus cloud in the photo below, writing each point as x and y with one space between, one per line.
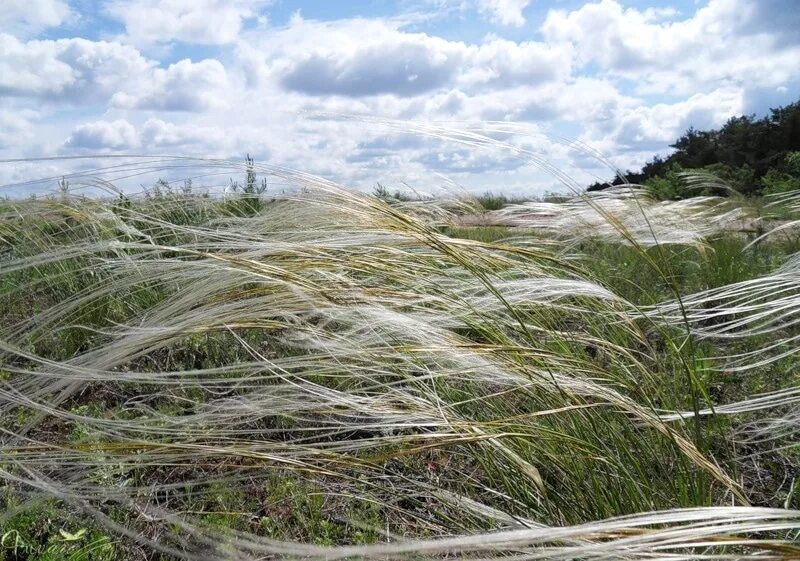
657 125
104 135
79 71
187 138
505 12
500 63
28 16
359 58
325 94
726 41
151 136
356 65
68 70
161 133
15 126
210 22
639 131
353 58
183 86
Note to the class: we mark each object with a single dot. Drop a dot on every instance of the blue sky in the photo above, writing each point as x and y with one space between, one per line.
282 80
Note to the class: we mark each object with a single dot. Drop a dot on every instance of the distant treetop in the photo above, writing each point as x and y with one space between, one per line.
751 154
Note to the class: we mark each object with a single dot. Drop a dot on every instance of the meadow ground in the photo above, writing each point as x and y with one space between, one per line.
331 375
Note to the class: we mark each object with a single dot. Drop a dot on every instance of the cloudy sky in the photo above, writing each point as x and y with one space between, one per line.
309 84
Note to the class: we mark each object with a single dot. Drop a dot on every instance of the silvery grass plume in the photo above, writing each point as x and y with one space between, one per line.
754 325
626 213
490 399
766 307
789 199
790 202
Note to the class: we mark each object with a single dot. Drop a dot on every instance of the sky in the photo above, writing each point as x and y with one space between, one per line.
367 91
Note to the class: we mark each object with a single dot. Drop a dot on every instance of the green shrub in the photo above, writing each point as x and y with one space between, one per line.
669 187
784 178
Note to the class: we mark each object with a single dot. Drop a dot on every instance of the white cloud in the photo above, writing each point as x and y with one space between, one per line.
103 135
502 63
722 43
359 58
70 70
635 134
587 77
210 22
505 12
183 86
15 127
23 17
157 134
78 71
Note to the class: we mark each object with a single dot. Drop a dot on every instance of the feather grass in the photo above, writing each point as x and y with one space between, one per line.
334 337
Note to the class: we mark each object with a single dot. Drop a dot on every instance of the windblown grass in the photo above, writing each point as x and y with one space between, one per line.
330 376
627 213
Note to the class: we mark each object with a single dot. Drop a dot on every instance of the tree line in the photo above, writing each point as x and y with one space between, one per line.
752 156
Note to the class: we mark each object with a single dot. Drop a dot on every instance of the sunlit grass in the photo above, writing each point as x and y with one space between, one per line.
327 374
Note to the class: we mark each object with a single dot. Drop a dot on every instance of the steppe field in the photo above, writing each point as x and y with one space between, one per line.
326 374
